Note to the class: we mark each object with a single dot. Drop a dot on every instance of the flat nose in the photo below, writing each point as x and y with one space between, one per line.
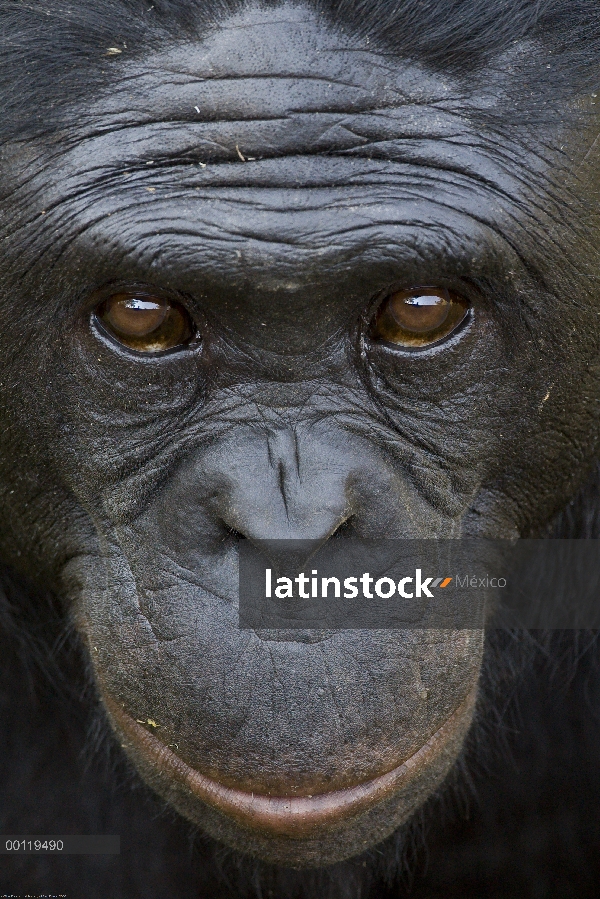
280 486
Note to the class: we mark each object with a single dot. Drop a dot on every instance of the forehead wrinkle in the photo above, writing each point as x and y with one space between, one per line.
145 92
169 154
376 78
367 192
109 137
388 111
415 148
186 128
410 215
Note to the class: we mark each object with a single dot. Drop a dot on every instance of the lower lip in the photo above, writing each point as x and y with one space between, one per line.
291 816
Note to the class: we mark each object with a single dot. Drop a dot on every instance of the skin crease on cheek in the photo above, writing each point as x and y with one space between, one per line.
285 285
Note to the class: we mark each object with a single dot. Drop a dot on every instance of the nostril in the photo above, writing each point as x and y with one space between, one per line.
345 529
232 533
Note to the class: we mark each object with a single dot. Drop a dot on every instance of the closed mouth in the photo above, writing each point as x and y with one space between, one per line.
289 816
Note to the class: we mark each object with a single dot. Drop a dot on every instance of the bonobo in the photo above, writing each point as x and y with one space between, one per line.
287 270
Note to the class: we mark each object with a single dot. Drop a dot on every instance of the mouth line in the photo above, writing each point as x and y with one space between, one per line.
289 816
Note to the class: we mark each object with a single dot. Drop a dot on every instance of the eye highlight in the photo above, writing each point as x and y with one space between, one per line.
143 322
419 316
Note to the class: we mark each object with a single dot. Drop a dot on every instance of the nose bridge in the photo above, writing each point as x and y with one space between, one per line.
286 484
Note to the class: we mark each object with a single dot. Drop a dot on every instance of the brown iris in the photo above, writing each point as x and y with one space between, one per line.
143 322
419 317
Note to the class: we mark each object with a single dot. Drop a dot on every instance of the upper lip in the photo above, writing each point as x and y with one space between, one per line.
291 816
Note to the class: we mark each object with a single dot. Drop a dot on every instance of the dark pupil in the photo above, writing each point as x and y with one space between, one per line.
419 313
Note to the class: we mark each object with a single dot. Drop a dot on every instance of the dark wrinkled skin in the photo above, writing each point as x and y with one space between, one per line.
126 480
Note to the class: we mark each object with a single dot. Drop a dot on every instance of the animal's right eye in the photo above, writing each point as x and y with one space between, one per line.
144 322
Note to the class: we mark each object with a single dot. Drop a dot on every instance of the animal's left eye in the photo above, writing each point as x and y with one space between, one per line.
419 317
146 323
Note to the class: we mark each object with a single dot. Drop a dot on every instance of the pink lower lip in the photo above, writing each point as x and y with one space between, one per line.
291 816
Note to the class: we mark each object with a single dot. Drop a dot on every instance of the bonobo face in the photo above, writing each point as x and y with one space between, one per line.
277 284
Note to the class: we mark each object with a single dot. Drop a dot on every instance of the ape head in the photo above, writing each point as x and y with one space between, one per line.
288 273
